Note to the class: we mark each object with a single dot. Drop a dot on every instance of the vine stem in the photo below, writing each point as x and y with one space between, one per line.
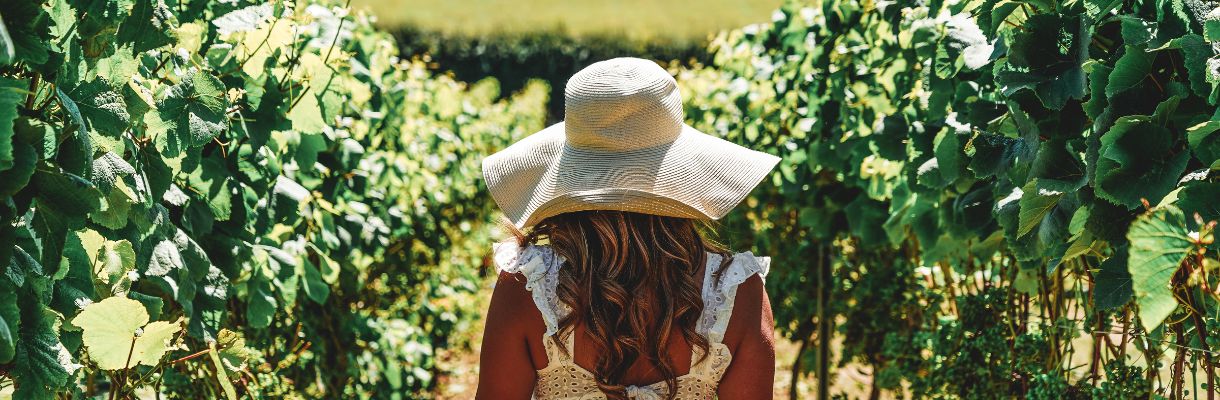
1200 325
114 392
338 31
192 356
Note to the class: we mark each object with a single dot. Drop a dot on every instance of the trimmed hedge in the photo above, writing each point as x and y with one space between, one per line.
515 59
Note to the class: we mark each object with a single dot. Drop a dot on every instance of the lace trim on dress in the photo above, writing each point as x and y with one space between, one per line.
540 266
718 300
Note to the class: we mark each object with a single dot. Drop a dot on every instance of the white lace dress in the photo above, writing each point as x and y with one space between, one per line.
563 379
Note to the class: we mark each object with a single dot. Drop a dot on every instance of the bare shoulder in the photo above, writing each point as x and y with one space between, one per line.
510 301
751 321
751 341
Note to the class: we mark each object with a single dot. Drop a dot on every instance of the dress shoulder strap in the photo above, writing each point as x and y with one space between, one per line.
540 266
719 295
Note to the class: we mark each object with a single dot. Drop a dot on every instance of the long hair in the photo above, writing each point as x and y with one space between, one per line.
630 279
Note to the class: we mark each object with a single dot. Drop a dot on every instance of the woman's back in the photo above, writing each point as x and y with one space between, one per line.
735 321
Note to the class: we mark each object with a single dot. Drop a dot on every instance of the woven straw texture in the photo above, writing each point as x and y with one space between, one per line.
622 146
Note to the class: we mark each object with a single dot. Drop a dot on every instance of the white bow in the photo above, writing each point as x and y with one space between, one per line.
642 393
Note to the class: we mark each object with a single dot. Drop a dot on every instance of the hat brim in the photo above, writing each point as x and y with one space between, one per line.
696 176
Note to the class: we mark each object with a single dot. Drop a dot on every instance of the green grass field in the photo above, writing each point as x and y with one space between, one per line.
634 19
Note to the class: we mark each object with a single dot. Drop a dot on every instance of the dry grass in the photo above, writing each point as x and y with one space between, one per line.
633 19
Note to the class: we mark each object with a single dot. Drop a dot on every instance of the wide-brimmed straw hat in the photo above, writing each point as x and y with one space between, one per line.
622 146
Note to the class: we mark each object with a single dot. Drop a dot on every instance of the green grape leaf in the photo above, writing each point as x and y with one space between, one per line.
10 318
108 169
213 181
262 303
116 212
233 350
1195 53
75 153
1099 76
165 258
1137 162
243 20
1040 196
41 365
1113 284
27 28
12 94
315 288
8 52
152 304
306 114
115 329
1159 242
104 108
1131 69
21 266
1202 198
111 262
66 194
16 178
193 112
152 24
1204 140
98 25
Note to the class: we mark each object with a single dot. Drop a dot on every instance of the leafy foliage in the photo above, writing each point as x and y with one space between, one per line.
969 185
222 199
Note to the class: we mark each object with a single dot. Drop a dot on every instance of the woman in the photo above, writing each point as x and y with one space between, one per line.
609 290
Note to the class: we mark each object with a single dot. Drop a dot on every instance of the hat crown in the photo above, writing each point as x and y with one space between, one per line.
622 104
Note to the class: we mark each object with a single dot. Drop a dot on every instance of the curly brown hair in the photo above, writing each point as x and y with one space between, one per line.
630 279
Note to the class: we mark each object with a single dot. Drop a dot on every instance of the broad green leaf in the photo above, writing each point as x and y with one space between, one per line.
151 25
16 178
1195 53
221 375
116 336
10 318
1204 140
262 303
24 22
116 212
23 265
233 350
108 168
155 339
315 288
8 52
213 180
1039 198
115 261
306 115
1202 198
1137 162
12 94
41 365
1099 75
66 193
153 304
165 258
105 109
1131 69
1159 242
244 19
193 111
75 153
1113 284
98 25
